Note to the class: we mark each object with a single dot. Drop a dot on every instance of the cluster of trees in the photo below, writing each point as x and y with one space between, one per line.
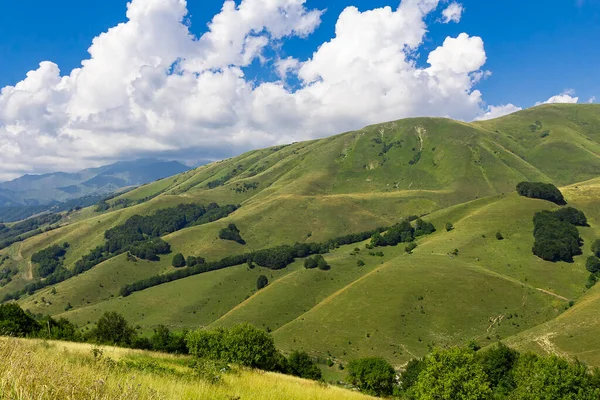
243 188
50 259
251 347
462 373
224 179
556 234
540 190
139 235
593 264
25 229
273 258
402 232
316 262
231 233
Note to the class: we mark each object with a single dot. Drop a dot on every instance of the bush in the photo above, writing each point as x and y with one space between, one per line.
410 247
423 228
449 226
596 248
373 376
310 263
539 190
300 364
360 263
321 263
261 282
178 261
499 236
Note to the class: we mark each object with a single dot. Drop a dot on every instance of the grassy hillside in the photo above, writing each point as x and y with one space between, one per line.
124 374
397 305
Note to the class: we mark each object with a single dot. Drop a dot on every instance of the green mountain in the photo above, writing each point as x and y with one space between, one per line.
455 286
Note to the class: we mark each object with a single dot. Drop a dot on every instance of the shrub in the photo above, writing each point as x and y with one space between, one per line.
410 247
423 228
499 236
360 263
321 263
449 226
373 376
596 248
261 282
539 190
178 261
300 364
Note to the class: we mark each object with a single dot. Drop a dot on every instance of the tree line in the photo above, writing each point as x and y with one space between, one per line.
468 373
273 258
139 235
25 229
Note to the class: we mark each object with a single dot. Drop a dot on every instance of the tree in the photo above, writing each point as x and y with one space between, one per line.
452 374
321 263
593 264
551 378
498 363
15 322
179 260
539 190
300 364
423 228
310 263
499 236
449 226
373 376
261 282
596 247
231 233
113 328
411 372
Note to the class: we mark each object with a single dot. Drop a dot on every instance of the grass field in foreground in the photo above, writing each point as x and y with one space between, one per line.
75 374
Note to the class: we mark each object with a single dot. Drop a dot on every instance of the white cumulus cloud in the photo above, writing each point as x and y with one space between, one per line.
568 96
151 87
452 13
498 111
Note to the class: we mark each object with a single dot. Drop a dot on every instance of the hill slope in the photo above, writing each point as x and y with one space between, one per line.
396 305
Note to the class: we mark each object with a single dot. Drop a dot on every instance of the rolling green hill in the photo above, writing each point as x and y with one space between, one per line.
397 305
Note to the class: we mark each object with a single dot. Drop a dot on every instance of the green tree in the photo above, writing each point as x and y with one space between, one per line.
596 247
410 375
593 264
499 236
452 374
449 226
113 328
552 378
373 376
15 322
249 346
300 364
498 363
321 263
178 260
261 282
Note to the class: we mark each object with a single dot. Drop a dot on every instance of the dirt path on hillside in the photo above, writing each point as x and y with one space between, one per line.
558 296
29 270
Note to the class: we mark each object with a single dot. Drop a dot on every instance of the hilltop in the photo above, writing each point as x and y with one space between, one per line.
455 286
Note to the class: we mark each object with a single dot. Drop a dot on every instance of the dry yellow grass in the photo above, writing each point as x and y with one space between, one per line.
40 370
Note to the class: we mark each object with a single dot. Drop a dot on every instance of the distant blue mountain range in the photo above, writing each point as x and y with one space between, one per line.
36 190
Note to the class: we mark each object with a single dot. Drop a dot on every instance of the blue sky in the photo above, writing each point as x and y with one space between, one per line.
535 49
166 84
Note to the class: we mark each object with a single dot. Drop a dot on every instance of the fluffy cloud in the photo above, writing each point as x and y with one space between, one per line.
592 100
452 13
568 96
151 87
498 111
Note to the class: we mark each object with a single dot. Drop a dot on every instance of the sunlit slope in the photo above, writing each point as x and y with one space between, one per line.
397 305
